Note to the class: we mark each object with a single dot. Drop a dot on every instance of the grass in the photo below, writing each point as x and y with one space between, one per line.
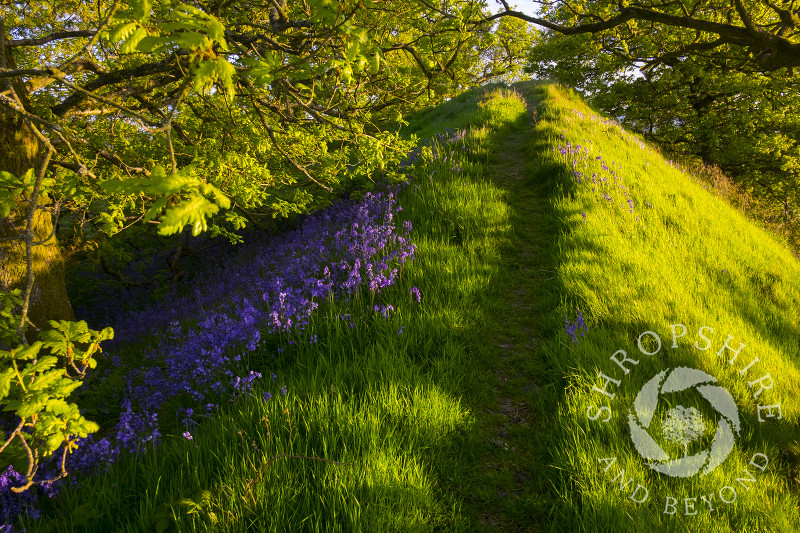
474 417
679 256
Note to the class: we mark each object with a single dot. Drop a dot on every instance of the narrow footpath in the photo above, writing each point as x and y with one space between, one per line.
511 489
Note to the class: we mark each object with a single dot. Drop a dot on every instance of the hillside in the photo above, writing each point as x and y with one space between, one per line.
467 392
633 245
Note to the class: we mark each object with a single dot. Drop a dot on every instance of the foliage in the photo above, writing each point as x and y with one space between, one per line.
755 36
274 107
35 381
710 107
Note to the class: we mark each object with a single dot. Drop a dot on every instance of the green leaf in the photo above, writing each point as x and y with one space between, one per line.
83 427
140 8
204 76
54 441
5 381
352 51
222 200
32 405
215 69
45 363
155 209
46 380
59 407
375 63
193 211
130 44
122 31
216 32
28 352
192 40
152 44
174 183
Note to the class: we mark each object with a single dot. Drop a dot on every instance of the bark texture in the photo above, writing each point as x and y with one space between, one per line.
19 151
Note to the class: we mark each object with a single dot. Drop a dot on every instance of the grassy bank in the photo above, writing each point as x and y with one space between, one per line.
645 247
468 408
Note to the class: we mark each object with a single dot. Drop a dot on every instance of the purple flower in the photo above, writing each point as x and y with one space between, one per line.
416 294
573 328
384 310
283 391
266 396
187 435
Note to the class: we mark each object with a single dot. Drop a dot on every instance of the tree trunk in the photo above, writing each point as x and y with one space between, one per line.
19 151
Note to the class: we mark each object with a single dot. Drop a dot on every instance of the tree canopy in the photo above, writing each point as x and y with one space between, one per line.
758 36
261 106
716 103
208 115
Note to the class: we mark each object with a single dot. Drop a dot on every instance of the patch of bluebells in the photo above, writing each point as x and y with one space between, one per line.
12 504
573 328
265 283
583 161
384 310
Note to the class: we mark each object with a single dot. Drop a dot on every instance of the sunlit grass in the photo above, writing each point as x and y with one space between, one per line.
384 423
374 416
679 256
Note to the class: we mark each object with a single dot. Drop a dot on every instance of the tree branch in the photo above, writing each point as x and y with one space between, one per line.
57 36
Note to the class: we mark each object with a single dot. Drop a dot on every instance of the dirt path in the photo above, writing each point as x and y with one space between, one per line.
511 487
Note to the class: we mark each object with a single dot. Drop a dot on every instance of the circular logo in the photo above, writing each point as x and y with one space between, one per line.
683 425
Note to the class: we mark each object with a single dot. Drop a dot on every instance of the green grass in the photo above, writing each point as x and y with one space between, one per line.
682 256
475 417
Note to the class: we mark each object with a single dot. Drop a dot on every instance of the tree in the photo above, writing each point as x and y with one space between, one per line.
20 150
762 36
212 114
207 115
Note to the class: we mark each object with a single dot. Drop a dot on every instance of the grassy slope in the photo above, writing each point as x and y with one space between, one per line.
385 411
681 256
474 418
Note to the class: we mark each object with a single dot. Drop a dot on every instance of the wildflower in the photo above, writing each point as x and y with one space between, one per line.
187 435
573 328
283 391
266 396
400 331
416 294
384 309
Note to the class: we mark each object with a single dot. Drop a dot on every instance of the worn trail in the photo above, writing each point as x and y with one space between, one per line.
511 487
